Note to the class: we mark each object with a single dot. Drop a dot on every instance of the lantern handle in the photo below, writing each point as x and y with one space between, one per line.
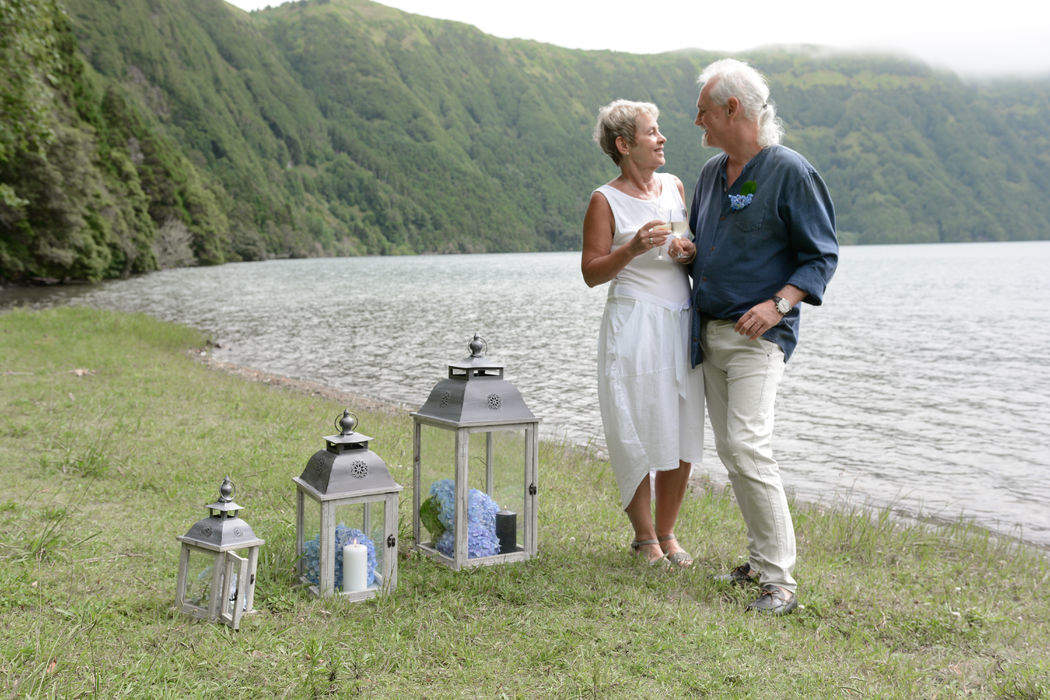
478 346
347 422
226 490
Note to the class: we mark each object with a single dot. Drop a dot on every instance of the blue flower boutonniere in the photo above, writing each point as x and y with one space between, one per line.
747 193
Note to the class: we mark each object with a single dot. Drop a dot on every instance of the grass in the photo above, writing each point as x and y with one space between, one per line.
102 468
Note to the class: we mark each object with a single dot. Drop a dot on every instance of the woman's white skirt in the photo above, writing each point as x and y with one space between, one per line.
652 402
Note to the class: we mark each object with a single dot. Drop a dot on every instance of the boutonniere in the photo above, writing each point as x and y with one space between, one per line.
747 193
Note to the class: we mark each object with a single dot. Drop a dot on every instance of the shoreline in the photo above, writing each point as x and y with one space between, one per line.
696 480
302 386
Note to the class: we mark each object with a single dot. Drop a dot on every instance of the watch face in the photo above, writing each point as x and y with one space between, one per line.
783 306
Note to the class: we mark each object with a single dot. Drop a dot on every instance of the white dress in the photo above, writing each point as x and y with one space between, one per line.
652 402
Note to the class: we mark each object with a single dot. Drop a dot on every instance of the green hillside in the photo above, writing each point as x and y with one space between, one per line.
145 133
88 187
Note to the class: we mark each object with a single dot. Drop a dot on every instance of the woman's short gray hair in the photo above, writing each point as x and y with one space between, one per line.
735 78
619 119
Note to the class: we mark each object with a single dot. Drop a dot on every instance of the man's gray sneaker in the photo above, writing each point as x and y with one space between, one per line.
774 600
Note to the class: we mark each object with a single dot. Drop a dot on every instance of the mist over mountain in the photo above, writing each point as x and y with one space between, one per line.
146 133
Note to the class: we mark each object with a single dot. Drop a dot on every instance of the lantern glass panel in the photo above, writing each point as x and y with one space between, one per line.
437 454
437 458
199 574
309 561
507 487
377 533
358 522
508 467
237 567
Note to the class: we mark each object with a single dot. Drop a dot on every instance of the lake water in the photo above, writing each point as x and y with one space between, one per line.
919 384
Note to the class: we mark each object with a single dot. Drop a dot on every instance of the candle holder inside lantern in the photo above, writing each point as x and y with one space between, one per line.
475 410
215 582
346 518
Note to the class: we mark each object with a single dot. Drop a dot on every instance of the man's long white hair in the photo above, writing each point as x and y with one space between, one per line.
735 78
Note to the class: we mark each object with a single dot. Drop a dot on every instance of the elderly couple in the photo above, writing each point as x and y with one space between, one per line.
764 230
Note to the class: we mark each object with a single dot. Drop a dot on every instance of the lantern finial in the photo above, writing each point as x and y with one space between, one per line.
347 423
226 491
477 346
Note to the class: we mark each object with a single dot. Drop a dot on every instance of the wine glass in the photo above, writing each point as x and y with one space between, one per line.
677 225
678 219
663 214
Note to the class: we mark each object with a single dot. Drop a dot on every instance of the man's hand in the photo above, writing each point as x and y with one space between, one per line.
682 250
759 319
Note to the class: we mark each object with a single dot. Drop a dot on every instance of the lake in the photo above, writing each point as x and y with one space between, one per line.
917 385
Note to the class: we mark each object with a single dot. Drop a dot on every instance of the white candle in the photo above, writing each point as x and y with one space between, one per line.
355 567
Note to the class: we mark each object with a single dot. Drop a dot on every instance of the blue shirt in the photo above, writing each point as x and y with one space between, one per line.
786 235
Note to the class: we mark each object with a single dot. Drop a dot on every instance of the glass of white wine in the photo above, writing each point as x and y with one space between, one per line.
678 222
663 214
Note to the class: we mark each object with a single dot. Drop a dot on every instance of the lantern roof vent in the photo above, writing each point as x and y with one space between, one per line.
476 364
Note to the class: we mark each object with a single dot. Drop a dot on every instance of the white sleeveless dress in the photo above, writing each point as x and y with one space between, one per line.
651 401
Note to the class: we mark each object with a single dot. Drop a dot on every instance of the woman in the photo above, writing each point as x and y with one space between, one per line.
652 403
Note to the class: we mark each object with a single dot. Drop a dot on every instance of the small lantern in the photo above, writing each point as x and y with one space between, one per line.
346 518
215 582
470 527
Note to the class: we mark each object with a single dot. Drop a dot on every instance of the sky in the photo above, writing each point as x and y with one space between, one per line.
974 39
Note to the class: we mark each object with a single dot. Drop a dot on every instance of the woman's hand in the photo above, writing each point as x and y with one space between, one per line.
682 250
650 236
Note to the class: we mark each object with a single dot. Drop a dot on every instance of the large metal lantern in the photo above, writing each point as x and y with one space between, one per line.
495 523
346 518
215 582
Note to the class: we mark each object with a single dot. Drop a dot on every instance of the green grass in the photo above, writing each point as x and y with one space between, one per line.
102 469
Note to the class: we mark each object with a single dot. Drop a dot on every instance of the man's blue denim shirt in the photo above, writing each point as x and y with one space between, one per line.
786 235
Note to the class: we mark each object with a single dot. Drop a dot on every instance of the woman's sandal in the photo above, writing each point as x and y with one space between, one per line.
661 560
682 559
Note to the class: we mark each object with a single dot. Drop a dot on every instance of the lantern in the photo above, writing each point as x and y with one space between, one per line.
215 582
493 524
346 518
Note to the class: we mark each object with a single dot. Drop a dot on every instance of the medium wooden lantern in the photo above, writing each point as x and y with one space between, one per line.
346 518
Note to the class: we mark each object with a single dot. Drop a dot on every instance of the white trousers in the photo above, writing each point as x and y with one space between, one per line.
741 377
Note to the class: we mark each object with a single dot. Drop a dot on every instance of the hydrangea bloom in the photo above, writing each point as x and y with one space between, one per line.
343 535
739 201
481 520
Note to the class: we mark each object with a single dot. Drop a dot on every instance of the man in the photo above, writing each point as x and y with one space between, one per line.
765 241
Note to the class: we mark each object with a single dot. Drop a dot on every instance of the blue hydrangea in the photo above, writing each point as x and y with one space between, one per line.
481 520
343 535
445 491
739 201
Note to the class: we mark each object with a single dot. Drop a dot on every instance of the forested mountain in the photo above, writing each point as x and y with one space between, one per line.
146 133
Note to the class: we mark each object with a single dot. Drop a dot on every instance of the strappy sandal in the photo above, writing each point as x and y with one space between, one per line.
661 560
682 559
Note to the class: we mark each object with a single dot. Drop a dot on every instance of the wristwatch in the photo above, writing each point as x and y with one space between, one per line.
782 304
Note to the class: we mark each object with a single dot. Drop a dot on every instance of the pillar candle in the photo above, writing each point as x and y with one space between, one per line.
507 531
355 567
